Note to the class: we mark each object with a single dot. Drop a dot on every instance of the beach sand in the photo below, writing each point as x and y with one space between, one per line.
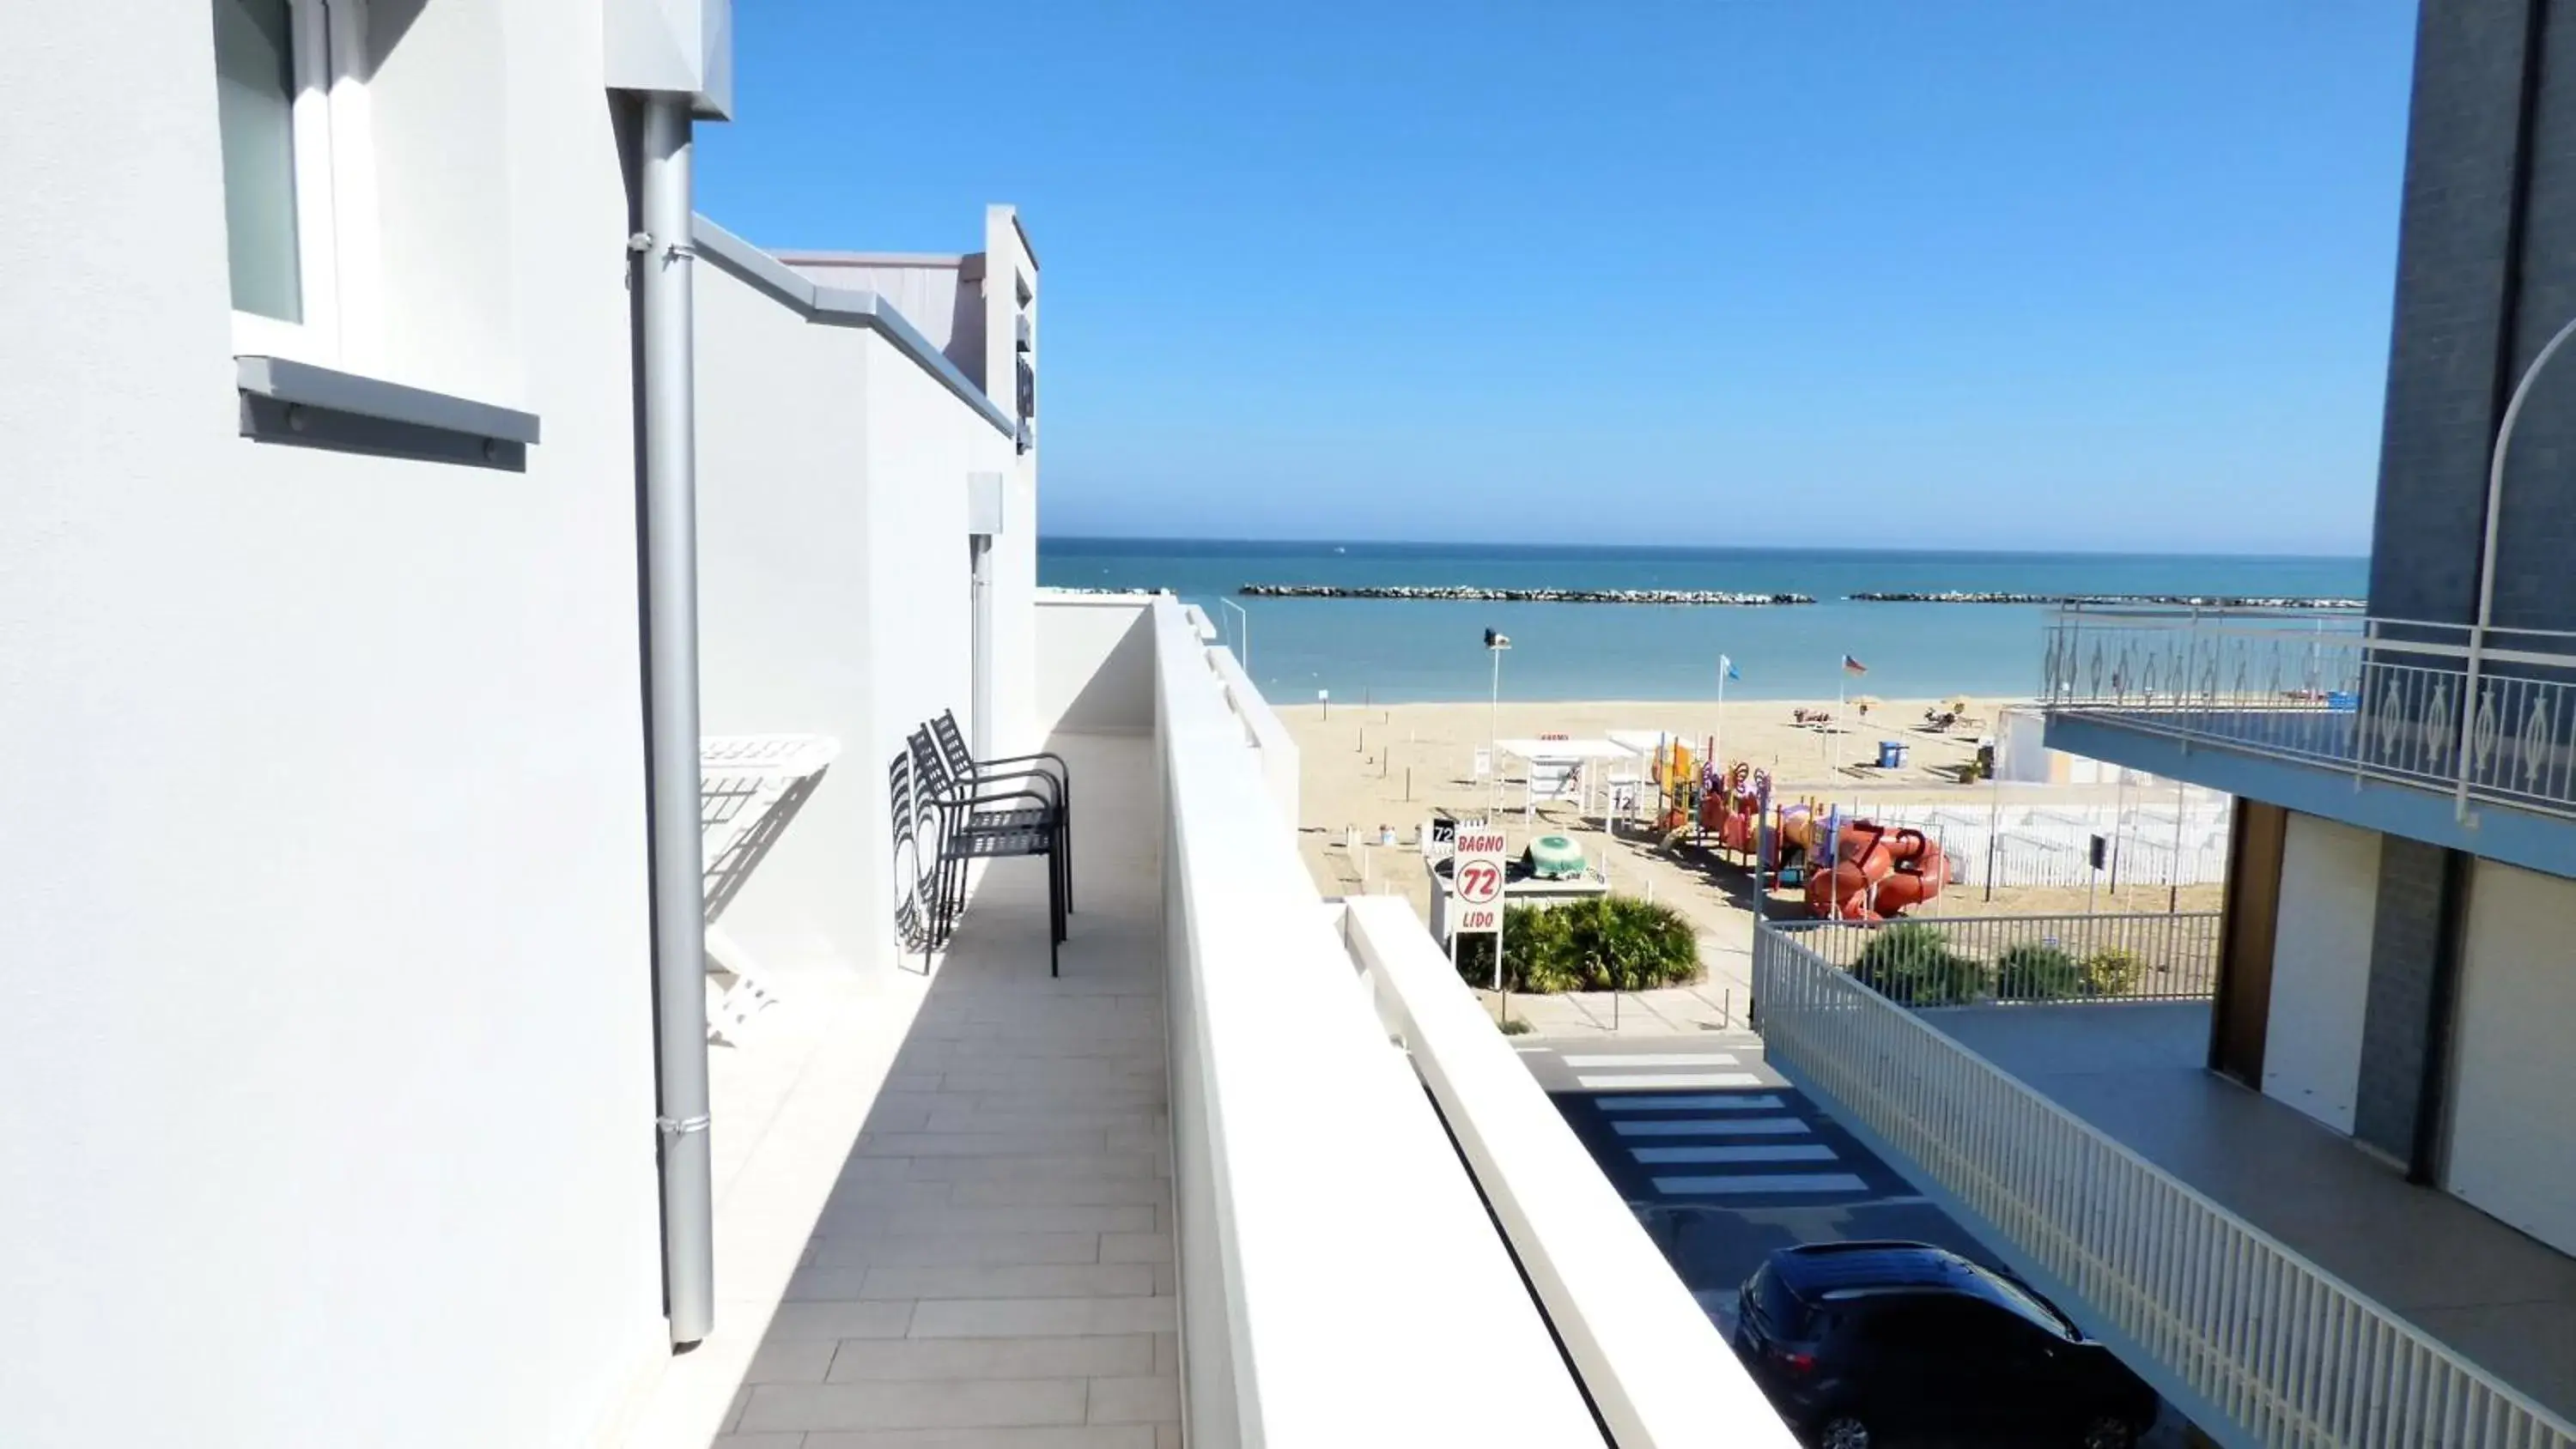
1370 766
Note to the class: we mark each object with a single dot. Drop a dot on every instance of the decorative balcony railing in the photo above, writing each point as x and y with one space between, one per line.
2484 715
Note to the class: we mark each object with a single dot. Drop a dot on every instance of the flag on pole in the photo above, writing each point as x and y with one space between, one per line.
1854 666
1726 666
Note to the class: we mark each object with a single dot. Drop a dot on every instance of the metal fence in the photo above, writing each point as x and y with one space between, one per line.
2486 714
1966 960
2289 1352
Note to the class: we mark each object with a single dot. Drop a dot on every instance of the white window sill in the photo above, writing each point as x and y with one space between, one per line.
303 405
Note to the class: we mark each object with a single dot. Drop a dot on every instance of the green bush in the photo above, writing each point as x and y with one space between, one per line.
1604 943
1914 964
1515 1026
2112 971
2036 971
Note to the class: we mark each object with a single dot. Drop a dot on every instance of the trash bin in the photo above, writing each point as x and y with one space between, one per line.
1891 754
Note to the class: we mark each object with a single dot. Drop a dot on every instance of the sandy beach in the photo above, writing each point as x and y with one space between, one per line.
1368 768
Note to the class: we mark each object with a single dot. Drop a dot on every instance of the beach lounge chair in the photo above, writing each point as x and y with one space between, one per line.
991 821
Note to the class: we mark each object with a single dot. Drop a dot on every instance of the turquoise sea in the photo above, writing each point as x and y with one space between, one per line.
1401 650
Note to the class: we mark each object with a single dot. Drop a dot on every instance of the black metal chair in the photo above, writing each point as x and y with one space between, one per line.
992 821
963 765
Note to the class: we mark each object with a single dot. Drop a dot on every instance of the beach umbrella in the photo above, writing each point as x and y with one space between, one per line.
1957 704
1865 701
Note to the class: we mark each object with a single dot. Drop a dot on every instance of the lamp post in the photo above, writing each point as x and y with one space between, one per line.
1243 635
2487 561
1495 644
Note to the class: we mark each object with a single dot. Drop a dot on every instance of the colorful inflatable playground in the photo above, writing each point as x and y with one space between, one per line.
1849 868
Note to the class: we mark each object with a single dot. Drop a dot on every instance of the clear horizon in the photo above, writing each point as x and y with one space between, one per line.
1284 542
1932 275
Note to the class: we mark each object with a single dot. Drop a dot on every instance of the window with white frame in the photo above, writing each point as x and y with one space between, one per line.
289 102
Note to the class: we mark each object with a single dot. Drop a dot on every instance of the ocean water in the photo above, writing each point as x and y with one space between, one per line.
1405 650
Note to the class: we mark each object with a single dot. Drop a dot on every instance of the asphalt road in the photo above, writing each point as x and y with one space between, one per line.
1724 1161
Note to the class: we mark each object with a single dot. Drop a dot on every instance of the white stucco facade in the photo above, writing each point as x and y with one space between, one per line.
329 1044
835 587
330 1074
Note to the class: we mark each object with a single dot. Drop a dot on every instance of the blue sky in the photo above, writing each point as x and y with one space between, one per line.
1903 273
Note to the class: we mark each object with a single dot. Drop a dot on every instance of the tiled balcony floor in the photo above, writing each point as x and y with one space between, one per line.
991 1261
2504 1299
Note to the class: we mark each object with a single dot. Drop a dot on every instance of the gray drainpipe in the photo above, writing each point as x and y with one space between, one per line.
671 701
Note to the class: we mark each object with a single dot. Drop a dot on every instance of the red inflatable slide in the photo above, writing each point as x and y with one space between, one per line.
1877 873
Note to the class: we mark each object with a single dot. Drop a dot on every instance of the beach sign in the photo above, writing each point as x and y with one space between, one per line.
1476 881
1439 838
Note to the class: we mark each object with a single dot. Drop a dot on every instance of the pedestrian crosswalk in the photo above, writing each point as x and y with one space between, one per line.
1710 1127
1743 1152
1713 1125
1676 1102
1671 1080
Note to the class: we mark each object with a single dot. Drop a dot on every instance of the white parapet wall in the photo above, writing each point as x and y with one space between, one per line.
1650 1359
1341 1281
1094 662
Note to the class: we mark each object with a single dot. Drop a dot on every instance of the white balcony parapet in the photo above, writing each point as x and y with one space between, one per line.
1341 1281
2260 1345
1654 1364
2486 715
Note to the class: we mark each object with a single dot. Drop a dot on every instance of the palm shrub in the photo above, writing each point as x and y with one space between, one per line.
2037 971
2112 971
1914 964
1605 943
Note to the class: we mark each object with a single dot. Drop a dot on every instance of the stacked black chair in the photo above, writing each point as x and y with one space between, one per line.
1042 766
916 832
988 820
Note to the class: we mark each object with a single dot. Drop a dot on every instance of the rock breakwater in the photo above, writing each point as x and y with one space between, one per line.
1518 596
2193 601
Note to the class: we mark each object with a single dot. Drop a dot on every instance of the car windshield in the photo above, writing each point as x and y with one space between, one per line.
2028 1304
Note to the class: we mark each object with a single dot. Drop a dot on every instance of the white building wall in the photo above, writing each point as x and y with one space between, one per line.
2512 1146
835 592
784 594
920 624
329 1069
1015 620
2321 968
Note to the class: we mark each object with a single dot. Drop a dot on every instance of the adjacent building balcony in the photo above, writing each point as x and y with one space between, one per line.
2439 732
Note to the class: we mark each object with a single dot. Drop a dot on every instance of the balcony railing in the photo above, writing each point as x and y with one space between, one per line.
2485 715
1977 960
2255 1334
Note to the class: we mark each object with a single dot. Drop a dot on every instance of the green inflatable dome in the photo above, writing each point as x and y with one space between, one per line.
1555 857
